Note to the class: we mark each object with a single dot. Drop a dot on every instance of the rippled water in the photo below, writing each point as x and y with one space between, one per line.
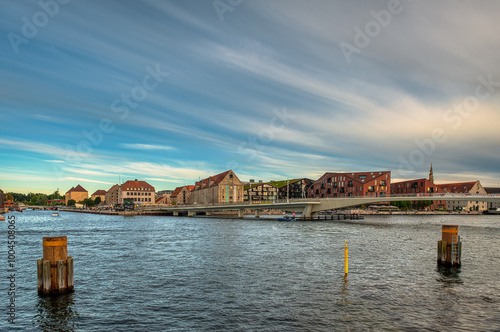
148 273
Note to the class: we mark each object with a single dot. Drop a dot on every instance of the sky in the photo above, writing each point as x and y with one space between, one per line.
97 92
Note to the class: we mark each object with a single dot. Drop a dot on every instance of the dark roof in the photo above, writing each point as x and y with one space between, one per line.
492 190
99 192
361 177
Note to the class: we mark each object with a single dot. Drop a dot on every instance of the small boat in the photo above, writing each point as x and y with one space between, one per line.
55 214
286 218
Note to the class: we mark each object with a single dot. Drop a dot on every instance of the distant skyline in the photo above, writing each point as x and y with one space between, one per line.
172 91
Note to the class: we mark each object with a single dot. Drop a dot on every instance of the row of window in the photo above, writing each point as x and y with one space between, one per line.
141 199
139 194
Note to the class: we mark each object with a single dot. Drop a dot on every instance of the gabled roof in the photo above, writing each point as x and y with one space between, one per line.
135 184
113 187
160 199
99 192
189 188
77 189
211 180
460 188
178 190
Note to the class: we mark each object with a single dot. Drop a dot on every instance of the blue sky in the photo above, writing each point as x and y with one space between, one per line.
171 91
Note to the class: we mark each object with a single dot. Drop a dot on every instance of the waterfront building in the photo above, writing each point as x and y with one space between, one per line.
164 197
140 192
221 188
276 190
418 187
351 184
293 188
9 204
78 194
99 193
181 195
164 192
260 192
1 200
493 191
464 188
111 197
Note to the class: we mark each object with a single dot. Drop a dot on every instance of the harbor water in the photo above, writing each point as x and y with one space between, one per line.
147 273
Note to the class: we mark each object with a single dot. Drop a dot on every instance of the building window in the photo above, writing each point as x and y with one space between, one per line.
371 189
382 183
349 184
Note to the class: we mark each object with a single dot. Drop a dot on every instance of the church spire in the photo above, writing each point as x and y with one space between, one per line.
431 175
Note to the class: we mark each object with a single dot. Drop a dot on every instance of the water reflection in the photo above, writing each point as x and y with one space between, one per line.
449 275
56 313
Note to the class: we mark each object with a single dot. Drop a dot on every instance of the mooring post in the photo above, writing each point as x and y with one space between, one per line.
449 248
55 270
346 260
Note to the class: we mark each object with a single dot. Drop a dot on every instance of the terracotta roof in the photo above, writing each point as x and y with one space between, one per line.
159 199
178 190
130 184
462 187
211 180
77 189
99 192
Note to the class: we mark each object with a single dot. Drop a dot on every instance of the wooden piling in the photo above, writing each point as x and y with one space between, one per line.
39 274
450 247
55 270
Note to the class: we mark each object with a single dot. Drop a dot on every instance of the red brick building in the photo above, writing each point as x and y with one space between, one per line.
351 184
181 195
418 187
1 199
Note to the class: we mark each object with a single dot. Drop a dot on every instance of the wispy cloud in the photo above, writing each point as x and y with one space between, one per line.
139 146
70 178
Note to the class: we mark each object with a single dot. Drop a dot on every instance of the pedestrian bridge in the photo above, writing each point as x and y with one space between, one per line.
309 207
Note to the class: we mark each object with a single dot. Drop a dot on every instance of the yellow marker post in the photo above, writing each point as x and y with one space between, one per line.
346 259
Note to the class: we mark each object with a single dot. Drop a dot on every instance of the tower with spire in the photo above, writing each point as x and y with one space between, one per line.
431 175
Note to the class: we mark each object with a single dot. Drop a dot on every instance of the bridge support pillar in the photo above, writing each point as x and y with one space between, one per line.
176 213
240 213
307 212
257 213
191 213
208 213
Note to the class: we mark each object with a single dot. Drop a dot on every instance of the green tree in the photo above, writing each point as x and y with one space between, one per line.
39 199
97 200
403 205
88 202
8 197
71 202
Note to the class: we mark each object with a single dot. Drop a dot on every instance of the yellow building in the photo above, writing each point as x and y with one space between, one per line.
141 192
101 194
463 189
77 194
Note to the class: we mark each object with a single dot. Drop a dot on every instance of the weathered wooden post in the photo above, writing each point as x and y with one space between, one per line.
55 269
450 247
